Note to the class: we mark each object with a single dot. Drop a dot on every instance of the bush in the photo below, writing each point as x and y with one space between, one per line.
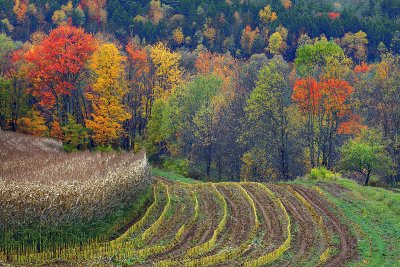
104 148
179 166
375 181
69 148
323 173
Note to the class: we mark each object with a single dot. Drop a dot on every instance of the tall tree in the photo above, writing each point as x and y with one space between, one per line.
167 72
191 119
106 95
267 123
56 65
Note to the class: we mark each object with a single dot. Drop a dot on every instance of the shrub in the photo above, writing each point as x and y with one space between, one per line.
179 166
323 173
375 181
104 148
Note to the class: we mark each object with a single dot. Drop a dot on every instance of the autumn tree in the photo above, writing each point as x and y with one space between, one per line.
177 36
377 94
20 9
324 104
139 98
275 43
249 36
33 124
190 120
56 65
168 75
267 15
97 12
267 131
355 45
60 17
106 95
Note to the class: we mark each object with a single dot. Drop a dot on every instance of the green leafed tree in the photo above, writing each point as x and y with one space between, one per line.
268 125
191 118
366 154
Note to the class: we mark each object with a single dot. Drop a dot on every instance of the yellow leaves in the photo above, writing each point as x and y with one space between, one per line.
383 69
107 64
106 95
210 34
275 43
60 17
267 15
168 74
178 36
33 124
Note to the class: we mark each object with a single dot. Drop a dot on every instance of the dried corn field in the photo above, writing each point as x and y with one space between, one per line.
42 185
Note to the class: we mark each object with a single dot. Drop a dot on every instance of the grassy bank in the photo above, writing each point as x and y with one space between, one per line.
172 176
374 215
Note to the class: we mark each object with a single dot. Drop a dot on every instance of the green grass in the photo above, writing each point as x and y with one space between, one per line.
376 212
173 176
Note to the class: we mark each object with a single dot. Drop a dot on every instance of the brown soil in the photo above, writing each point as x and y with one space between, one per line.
202 230
348 243
304 239
271 222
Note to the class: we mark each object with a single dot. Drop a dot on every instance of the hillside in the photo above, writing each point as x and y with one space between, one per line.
309 222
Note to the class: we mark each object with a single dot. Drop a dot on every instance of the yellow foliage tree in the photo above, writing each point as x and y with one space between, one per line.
178 36
168 75
267 15
275 43
106 95
33 124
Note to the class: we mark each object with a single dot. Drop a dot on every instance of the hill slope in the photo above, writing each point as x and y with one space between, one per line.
303 223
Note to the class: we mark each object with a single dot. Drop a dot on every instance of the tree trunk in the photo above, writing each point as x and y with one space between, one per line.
208 161
367 177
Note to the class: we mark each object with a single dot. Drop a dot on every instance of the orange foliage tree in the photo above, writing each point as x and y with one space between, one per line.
55 67
224 66
20 8
248 38
325 105
33 124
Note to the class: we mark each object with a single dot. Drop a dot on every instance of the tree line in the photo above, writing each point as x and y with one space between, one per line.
204 114
240 27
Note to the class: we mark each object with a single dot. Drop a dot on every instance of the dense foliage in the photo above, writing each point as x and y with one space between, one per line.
224 89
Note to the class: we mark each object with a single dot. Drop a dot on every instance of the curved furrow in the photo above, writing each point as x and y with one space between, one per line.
347 246
271 232
269 257
202 229
239 232
304 238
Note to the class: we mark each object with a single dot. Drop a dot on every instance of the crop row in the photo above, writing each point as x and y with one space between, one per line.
320 221
201 249
269 257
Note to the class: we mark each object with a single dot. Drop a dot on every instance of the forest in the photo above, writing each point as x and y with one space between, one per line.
216 90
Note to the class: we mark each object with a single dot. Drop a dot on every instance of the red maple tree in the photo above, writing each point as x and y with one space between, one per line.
57 62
